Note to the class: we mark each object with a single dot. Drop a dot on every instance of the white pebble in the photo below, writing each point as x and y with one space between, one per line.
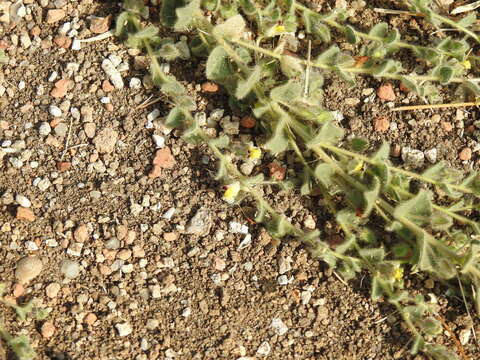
21 85
159 141
70 269
245 242
169 214
135 83
52 76
44 129
123 329
112 73
279 327
55 111
153 115
105 100
186 313
237 228
264 349
76 44
23 201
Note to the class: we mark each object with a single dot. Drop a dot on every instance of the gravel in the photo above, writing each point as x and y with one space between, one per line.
124 329
28 268
70 269
23 201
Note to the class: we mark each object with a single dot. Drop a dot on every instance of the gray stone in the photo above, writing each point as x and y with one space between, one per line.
200 224
28 268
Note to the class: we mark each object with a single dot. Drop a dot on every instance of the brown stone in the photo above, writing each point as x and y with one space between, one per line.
25 214
446 126
99 25
277 171
90 319
81 233
248 122
465 154
210 87
381 124
107 86
385 92
48 329
163 160
61 88
64 166
170 236
55 15
63 41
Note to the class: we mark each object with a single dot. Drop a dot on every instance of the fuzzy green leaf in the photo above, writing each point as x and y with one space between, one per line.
220 142
418 344
218 67
187 15
373 256
244 87
279 141
324 173
351 35
376 288
211 5
21 347
444 74
418 209
468 20
233 28
287 93
119 25
291 66
168 52
370 197
168 16
430 326
175 118
329 134
248 7
329 56
359 144
439 352
380 30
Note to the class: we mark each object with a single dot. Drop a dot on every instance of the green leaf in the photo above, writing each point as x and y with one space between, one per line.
351 35
444 74
329 56
370 197
248 7
359 144
468 20
329 134
418 344
220 142
380 30
313 25
175 118
430 326
21 347
218 66
291 66
168 52
168 16
373 256
418 209
233 28
441 221
324 173
119 27
211 5
287 93
278 227
439 352
245 86
187 15
376 288
279 141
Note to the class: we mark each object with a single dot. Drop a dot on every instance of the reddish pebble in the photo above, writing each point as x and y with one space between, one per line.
385 92
64 166
360 60
36 31
248 122
54 15
170 236
63 41
403 88
99 25
60 89
52 290
3 44
107 86
25 214
277 171
219 264
381 124
48 329
465 154
81 233
163 160
90 319
18 290
210 87
4 125
104 269
446 126
109 107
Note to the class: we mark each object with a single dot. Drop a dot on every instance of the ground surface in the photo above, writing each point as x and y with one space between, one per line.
185 293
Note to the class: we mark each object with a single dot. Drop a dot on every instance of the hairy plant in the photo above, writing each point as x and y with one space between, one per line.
242 43
20 345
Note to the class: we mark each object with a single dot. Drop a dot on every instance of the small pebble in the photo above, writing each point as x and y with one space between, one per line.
264 349
279 327
70 269
44 129
159 141
124 329
28 268
48 329
52 290
465 154
23 201
55 111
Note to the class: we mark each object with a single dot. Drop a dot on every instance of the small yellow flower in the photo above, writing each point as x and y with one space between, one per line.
254 153
358 167
279 29
231 192
466 64
398 274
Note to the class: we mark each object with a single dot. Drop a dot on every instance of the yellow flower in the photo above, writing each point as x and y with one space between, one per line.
279 29
359 166
231 192
398 274
466 64
254 153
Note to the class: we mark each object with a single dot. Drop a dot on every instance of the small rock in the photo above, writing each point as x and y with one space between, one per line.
63 166
248 122
81 233
135 83
237 228
200 224
385 92
431 155
124 329
464 336
277 171
70 269
90 319
107 86
381 124
54 15
465 154
114 75
284 265
413 157
89 129
163 160
18 290
105 140
45 128
23 201
170 236
446 126
152 324
279 327
61 88
309 222
429 284
28 268
62 41
48 329
52 290
264 349
25 214
99 25
282 280
55 111
159 141
210 87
